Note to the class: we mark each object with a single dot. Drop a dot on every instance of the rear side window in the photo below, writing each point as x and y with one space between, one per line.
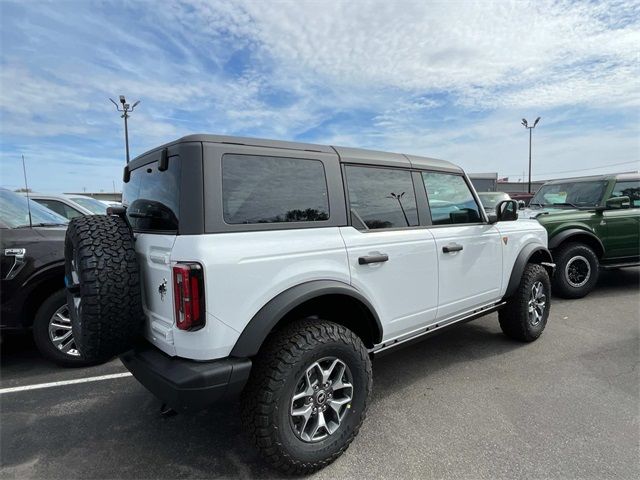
381 198
152 197
261 189
450 199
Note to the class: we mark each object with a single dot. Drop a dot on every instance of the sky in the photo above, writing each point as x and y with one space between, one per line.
445 79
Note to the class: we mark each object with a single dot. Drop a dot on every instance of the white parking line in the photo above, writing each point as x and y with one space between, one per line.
38 386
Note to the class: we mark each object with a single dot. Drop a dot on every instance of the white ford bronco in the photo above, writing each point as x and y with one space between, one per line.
275 271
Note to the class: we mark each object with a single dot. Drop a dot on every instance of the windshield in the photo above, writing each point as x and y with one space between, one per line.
491 199
576 194
96 206
15 214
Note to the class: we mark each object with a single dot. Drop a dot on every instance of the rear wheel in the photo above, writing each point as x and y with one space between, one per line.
307 395
525 315
577 270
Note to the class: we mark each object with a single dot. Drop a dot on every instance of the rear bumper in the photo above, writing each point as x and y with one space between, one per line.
187 384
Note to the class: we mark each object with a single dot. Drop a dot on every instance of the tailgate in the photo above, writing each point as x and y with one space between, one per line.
154 251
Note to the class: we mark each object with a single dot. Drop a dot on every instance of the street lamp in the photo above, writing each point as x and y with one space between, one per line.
525 124
126 109
398 197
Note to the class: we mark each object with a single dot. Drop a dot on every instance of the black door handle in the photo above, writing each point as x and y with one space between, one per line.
373 259
452 247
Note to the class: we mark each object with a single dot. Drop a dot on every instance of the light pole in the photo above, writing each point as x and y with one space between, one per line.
525 124
126 108
398 197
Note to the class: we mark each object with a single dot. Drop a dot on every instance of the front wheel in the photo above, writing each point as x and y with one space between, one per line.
525 315
577 270
307 395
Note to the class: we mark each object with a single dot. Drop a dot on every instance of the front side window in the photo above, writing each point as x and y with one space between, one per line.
260 189
381 198
629 189
450 199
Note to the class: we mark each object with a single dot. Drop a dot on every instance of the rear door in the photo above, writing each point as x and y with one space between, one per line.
392 259
468 249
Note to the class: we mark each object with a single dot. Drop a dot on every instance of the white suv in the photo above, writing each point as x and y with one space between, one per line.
276 270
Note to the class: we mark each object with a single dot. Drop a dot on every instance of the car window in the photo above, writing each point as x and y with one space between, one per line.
261 189
15 214
152 197
60 208
450 199
381 198
95 206
580 194
629 189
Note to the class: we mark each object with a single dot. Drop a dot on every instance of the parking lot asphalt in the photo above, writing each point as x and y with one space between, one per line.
468 403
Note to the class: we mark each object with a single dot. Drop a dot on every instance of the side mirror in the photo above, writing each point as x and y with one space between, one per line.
521 205
618 202
492 218
507 211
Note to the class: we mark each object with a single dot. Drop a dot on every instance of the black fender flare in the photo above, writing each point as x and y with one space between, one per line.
557 240
521 262
263 322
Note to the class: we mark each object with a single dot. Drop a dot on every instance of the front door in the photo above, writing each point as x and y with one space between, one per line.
622 226
468 249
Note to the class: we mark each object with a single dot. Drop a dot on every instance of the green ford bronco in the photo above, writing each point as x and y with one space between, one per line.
592 223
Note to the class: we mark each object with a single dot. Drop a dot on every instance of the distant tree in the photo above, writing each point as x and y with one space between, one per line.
23 190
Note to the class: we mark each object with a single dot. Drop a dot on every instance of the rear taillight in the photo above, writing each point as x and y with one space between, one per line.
188 290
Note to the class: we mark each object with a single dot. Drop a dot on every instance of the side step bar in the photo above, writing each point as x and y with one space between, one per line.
611 266
418 335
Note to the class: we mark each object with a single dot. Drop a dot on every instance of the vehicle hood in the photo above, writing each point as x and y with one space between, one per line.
548 211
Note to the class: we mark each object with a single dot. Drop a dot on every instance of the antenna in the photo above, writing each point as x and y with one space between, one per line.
26 188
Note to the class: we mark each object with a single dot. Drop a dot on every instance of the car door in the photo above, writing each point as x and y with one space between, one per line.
392 259
468 249
622 225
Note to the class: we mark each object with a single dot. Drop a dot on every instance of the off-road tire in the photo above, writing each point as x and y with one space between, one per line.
110 316
514 316
41 332
266 400
562 256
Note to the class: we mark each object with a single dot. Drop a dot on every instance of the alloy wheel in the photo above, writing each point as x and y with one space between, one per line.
537 303
577 271
60 332
321 400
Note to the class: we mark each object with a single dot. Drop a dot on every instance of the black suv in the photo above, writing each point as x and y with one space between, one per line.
32 292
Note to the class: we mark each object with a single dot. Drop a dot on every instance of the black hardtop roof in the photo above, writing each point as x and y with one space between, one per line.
347 154
596 178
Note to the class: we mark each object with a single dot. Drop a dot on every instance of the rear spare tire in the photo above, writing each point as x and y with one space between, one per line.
103 286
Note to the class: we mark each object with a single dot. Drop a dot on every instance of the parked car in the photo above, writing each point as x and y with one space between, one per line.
95 206
32 293
490 200
70 206
522 197
276 270
593 223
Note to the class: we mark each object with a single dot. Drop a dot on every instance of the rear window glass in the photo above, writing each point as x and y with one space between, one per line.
260 189
152 197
